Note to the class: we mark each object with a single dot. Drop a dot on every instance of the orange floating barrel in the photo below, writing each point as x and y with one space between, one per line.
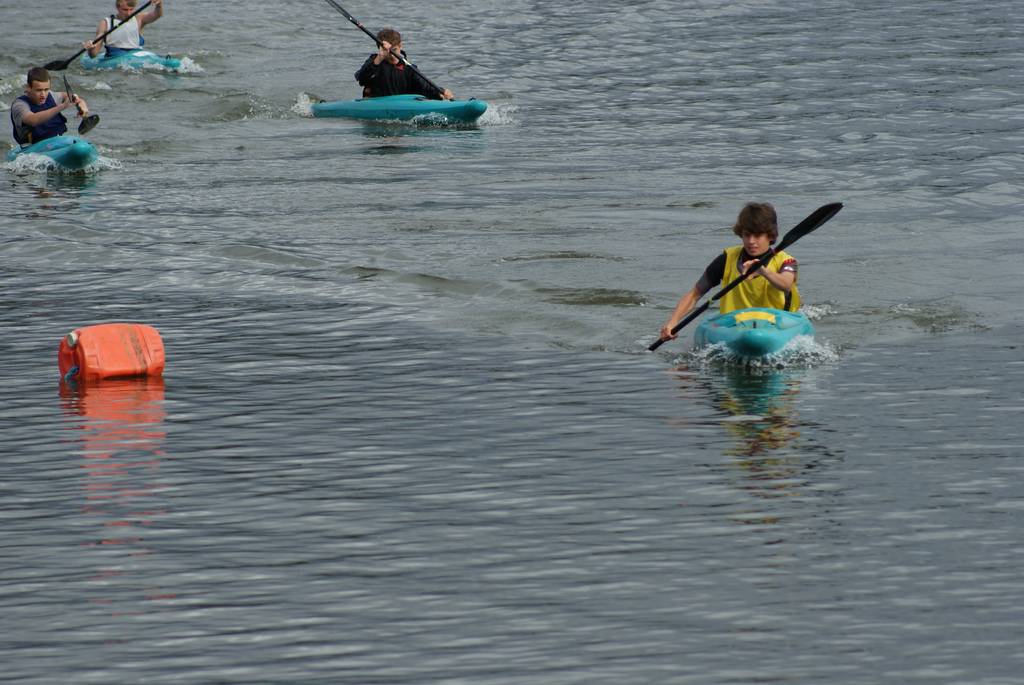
111 350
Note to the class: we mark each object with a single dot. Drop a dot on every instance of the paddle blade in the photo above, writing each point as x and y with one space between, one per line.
57 65
816 219
88 123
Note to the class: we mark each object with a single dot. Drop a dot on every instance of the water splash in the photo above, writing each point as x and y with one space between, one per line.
29 163
303 105
247 107
502 114
189 66
802 352
817 312
936 317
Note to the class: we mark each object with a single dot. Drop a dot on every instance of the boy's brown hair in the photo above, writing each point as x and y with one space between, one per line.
390 36
37 74
757 218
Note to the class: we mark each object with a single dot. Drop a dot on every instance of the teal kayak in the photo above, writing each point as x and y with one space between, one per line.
68 152
403 108
756 332
135 59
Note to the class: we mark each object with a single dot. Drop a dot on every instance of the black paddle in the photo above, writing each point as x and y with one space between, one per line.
62 64
88 123
817 218
399 55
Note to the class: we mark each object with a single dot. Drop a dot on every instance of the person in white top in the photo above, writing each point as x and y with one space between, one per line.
128 35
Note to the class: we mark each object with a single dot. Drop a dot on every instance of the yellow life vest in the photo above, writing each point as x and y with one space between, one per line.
756 291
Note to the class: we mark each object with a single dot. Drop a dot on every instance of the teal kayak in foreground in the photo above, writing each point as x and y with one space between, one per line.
134 59
68 152
403 108
756 332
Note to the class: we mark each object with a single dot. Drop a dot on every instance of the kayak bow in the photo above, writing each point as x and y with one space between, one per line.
68 152
756 332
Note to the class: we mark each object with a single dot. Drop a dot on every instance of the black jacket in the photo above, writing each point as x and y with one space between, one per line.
392 79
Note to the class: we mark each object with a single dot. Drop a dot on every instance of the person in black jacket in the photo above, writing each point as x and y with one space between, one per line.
384 74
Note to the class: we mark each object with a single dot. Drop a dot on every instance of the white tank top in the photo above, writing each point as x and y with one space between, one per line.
125 36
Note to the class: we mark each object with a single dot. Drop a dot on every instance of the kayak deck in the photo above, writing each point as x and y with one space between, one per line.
136 59
403 108
756 332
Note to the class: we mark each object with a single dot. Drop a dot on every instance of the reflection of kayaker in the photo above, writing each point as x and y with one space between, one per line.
765 402
758 407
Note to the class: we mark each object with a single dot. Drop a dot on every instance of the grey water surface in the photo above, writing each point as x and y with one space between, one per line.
408 430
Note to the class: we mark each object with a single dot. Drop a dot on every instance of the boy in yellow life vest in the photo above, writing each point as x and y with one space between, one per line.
773 285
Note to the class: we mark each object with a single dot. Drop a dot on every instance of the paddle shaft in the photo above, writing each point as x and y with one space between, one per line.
399 55
61 65
71 96
816 219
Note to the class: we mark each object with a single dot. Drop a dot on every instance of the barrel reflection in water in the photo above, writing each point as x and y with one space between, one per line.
118 428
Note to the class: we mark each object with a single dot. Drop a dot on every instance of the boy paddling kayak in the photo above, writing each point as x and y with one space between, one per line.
122 32
771 285
749 268
383 73
37 115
